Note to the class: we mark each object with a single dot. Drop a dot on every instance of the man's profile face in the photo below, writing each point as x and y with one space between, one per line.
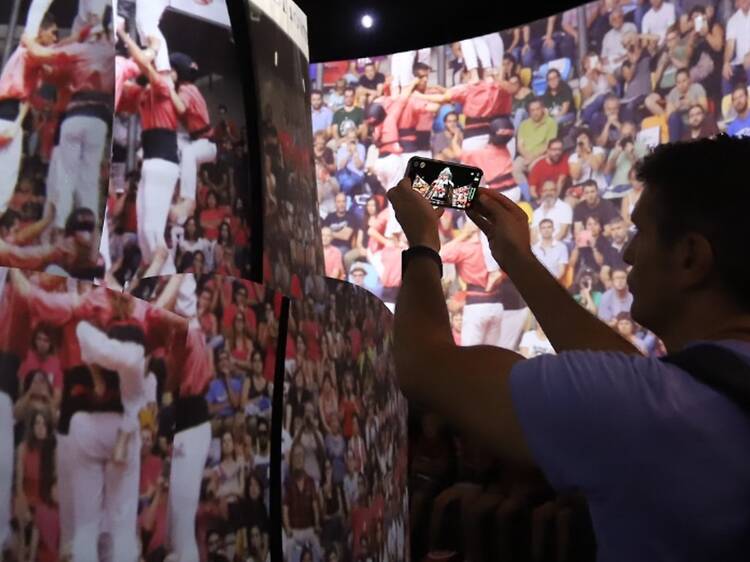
554 151
739 100
316 100
620 280
696 117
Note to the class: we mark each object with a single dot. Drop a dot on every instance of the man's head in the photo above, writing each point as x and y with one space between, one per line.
688 258
450 120
739 98
9 224
48 32
370 70
536 110
656 4
340 85
549 192
422 74
298 458
546 229
358 274
743 5
590 193
696 117
316 99
326 235
619 279
81 225
553 79
611 106
682 81
341 203
593 225
348 97
619 230
616 18
554 150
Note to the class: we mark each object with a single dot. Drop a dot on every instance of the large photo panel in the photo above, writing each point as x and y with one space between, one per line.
344 431
136 428
292 249
56 103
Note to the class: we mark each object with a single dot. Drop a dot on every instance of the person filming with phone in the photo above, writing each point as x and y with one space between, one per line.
659 446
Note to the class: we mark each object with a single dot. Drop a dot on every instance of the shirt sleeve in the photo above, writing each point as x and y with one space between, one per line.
584 413
97 348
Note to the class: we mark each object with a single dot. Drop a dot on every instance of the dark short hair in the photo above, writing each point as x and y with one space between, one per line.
553 141
47 21
369 63
585 183
554 71
445 117
350 89
699 106
677 175
541 222
595 217
534 100
684 71
316 91
739 86
418 66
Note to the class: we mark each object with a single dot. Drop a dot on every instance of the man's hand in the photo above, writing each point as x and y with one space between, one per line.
416 215
504 223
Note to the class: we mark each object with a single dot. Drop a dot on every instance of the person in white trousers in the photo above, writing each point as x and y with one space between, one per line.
485 50
402 67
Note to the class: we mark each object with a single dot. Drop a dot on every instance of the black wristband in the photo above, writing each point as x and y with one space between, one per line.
408 255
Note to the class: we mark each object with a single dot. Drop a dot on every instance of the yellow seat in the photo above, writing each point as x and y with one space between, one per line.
527 209
525 75
577 98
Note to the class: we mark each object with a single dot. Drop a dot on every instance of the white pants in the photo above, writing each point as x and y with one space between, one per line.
37 10
300 538
189 455
155 191
482 324
476 142
486 51
65 467
10 165
75 169
192 155
513 323
6 466
88 8
389 170
147 17
103 491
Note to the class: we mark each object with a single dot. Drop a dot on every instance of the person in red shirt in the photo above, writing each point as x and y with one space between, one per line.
391 273
416 115
197 146
42 357
333 260
553 167
495 160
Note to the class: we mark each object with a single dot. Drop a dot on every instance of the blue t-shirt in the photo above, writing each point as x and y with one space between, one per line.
739 127
663 460
217 394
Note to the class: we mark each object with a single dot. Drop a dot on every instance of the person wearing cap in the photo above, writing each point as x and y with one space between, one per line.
357 274
195 136
495 159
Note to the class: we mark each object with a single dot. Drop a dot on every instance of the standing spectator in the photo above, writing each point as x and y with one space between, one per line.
587 161
301 514
555 209
551 252
534 135
636 72
740 126
334 261
553 167
446 145
42 356
621 162
613 51
322 116
737 49
350 160
616 299
349 113
592 204
658 20
683 96
558 99
700 125
371 82
706 40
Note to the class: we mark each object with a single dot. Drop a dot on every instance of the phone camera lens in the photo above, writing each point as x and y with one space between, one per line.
422 165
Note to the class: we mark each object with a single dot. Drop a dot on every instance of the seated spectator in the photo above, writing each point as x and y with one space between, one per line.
592 204
342 223
553 167
322 116
621 162
706 38
636 73
371 82
349 113
626 328
673 56
212 216
555 209
334 261
595 84
42 356
585 291
533 137
613 258
736 61
699 124
657 21
616 299
446 145
613 52
551 252
335 97
587 161
558 99
590 248
740 126
683 96
606 125
224 395
325 170
535 342
350 160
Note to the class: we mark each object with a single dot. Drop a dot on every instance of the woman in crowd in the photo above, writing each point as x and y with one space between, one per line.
328 403
192 240
241 345
229 480
42 356
256 390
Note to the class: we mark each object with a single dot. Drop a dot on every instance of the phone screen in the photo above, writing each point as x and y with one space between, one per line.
444 184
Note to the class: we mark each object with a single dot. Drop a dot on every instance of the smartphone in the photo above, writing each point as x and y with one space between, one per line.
444 184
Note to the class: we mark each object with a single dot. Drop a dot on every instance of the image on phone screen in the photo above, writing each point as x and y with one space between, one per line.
444 184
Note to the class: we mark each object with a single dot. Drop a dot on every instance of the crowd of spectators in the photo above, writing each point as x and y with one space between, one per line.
345 448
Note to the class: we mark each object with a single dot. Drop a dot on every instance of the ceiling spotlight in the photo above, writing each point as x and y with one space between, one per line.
367 21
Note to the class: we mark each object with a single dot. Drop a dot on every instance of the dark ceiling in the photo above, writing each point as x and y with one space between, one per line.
335 34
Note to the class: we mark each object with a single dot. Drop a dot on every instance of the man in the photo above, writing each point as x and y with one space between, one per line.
335 98
613 258
559 413
553 167
225 391
700 125
613 52
446 145
534 134
593 204
495 159
737 47
342 224
606 126
657 21
371 82
322 116
680 99
740 126
301 514
350 113
333 259
350 161
550 251
18 82
616 299
555 209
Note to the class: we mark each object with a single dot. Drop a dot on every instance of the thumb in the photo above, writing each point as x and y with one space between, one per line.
484 224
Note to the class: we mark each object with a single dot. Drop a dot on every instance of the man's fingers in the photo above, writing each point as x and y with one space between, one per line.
487 197
401 188
481 221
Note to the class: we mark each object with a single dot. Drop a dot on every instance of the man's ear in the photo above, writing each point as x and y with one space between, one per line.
695 259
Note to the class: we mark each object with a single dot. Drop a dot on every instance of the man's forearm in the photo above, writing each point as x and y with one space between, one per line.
567 325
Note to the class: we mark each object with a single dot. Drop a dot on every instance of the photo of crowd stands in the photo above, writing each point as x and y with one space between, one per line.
293 257
135 428
179 191
56 101
556 113
344 467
